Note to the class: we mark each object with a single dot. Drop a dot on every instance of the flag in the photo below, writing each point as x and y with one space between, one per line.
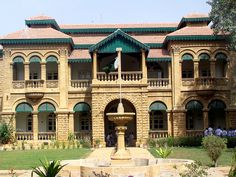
112 66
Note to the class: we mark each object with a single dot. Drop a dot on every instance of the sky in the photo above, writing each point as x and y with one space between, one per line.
14 12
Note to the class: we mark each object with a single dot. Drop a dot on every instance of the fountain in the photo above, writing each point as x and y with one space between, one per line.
120 118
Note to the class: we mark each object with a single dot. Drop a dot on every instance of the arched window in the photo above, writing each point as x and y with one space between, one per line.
194 115
158 116
187 66
35 67
221 64
82 117
216 114
18 68
52 68
204 65
47 117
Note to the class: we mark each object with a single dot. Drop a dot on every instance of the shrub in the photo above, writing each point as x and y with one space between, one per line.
85 143
188 141
214 146
194 170
151 142
231 142
50 169
71 137
5 133
164 152
232 171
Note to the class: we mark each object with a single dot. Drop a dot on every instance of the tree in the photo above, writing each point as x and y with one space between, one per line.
223 16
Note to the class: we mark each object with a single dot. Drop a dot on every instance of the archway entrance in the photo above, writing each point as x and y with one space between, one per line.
110 126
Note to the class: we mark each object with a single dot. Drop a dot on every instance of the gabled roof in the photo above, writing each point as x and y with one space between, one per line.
121 39
36 35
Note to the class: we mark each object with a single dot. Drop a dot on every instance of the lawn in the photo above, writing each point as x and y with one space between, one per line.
30 158
198 154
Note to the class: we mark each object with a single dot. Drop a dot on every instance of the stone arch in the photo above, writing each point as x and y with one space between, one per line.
192 98
199 52
221 50
38 54
109 126
21 100
49 100
51 53
21 54
188 51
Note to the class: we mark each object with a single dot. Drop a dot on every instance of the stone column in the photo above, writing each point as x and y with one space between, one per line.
169 74
69 74
205 118
63 80
196 68
144 67
11 72
169 123
71 122
43 73
213 67
26 71
62 126
95 65
230 118
35 125
179 122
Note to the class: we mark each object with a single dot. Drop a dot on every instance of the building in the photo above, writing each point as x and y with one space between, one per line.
178 78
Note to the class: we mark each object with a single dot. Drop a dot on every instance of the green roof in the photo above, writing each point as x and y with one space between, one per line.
51 22
184 20
80 60
167 59
119 39
126 30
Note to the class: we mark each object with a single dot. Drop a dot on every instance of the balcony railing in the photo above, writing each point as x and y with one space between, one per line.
158 133
36 83
159 82
47 135
24 135
80 83
125 75
83 135
18 84
52 84
205 81
194 132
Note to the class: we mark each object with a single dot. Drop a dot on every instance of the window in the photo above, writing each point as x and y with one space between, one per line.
51 122
84 121
187 74
29 124
33 76
52 76
157 120
187 69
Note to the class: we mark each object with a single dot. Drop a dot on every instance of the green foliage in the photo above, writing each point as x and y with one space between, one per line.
50 169
194 170
214 146
151 142
5 133
232 171
231 142
223 15
164 152
86 143
97 142
71 137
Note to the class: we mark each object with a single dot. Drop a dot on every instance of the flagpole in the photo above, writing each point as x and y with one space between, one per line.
120 107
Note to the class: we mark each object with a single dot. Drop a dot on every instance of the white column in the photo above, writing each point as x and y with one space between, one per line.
144 67
95 65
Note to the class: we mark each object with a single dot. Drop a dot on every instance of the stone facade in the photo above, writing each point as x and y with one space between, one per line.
54 78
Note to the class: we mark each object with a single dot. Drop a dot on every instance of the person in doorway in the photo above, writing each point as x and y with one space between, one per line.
131 139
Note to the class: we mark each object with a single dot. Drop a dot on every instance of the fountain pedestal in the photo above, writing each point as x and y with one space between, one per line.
120 118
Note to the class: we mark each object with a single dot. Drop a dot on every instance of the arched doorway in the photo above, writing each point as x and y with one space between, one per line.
82 121
110 126
194 115
216 114
24 122
46 121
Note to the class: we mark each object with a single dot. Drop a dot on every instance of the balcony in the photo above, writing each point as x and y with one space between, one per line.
159 83
158 134
24 135
47 135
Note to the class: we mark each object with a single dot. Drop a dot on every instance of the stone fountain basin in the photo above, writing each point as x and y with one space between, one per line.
120 119
140 167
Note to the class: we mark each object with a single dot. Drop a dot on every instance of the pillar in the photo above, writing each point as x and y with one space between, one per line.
144 66
71 122
169 74
62 122
69 73
179 122
213 67
11 72
35 125
27 71
205 118
95 65
196 69
43 73
169 123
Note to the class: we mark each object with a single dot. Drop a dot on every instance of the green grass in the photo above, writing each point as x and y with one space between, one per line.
30 158
198 154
